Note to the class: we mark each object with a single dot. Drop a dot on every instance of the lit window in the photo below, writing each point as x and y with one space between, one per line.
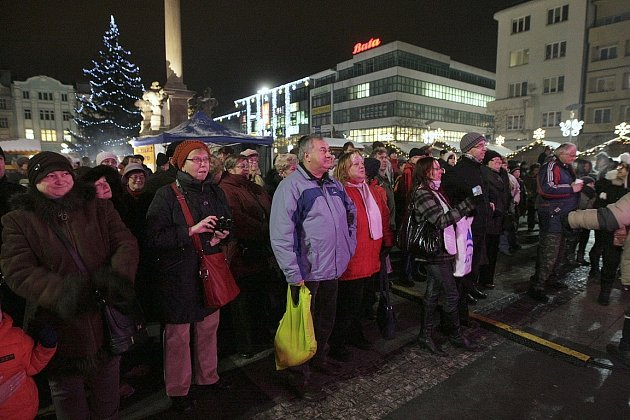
363 90
555 50
520 24
519 57
551 119
553 84
557 14
515 122
29 134
607 53
601 116
517 89
66 135
48 135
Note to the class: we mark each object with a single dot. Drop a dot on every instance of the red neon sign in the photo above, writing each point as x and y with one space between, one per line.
372 43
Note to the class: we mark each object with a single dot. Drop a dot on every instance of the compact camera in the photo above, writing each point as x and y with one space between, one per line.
223 224
477 190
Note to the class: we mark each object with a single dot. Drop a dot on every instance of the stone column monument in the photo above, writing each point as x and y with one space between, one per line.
176 109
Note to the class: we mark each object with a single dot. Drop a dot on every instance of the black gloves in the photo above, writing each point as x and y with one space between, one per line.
47 337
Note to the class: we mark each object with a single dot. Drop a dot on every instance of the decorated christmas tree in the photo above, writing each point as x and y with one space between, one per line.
108 118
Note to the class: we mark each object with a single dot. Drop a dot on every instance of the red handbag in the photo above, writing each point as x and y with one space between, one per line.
219 285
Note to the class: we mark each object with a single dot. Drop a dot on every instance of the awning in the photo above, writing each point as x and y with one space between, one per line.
21 146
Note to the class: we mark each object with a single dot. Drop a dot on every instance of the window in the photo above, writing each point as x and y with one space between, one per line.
3 103
26 94
49 135
67 136
45 96
557 14
551 119
626 80
519 57
27 114
4 123
517 89
29 134
625 113
67 116
603 84
64 97
553 84
555 50
607 53
515 122
520 24
601 116
46 115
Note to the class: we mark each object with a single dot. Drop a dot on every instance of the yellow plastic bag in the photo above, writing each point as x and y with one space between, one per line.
295 341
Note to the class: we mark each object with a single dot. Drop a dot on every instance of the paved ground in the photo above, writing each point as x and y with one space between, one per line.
512 377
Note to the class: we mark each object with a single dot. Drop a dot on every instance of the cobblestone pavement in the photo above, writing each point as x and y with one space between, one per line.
397 372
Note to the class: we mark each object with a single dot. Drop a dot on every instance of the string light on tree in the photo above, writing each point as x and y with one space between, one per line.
108 118
499 140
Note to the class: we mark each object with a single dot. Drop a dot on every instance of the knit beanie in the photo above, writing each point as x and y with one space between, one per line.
182 151
490 154
44 163
469 141
415 152
371 167
105 155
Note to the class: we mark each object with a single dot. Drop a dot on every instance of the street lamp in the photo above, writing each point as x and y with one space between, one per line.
571 127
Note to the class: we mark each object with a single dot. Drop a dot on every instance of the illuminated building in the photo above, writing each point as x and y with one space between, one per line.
387 92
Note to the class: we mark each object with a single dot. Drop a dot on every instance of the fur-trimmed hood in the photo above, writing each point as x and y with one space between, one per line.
49 209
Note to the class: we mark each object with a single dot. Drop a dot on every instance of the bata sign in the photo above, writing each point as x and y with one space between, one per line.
372 43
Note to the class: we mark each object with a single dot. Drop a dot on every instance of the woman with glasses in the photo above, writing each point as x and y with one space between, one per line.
249 255
181 295
431 205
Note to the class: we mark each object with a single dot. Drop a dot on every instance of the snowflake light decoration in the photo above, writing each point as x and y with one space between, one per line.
539 134
622 129
571 127
499 140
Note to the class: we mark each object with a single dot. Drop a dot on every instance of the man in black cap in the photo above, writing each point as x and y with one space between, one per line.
161 178
12 304
466 180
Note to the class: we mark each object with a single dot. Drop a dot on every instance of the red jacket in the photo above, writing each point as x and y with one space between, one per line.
18 352
366 259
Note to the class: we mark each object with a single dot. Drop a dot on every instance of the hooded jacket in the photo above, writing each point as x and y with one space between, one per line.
18 353
38 267
312 227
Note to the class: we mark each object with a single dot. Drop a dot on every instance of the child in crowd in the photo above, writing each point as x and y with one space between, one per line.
20 359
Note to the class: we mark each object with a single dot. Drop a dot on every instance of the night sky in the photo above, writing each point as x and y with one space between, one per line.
237 46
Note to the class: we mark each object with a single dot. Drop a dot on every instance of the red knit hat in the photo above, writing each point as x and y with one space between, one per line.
184 148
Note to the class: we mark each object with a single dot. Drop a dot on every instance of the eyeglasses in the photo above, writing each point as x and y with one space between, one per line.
481 146
199 161
137 177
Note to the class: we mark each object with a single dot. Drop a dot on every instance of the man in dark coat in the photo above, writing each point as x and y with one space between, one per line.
466 180
162 178
12 304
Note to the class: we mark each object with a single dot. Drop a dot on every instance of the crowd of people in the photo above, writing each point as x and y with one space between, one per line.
315 220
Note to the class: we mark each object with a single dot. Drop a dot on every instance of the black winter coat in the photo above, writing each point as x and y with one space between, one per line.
498 193
181 294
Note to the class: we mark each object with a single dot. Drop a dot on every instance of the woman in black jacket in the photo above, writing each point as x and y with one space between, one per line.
181 295
430 204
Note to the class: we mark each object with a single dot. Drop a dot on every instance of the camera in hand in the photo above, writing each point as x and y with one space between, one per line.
223 224
477 191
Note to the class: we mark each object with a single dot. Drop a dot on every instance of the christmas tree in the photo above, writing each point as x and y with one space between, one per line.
108 118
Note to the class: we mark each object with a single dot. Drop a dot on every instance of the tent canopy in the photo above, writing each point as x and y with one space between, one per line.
21 146
202 127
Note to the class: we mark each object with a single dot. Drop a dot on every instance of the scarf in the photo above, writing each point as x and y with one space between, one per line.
375 222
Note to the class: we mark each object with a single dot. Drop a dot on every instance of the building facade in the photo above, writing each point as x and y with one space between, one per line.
43 110
387 92
607 80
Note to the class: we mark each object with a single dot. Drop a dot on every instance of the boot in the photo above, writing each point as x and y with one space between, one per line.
425 338
604 292
456 337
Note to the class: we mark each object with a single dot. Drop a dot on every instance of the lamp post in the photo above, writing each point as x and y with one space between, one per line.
571 127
